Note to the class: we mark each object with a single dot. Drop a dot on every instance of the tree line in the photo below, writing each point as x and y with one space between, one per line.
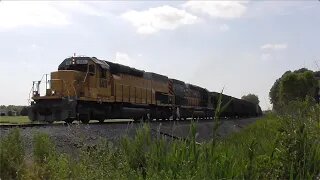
11 110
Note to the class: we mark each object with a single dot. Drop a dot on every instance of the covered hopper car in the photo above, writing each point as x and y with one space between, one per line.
86 88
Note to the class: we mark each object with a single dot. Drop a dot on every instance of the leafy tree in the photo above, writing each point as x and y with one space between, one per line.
296 85
251 98
24 111
274 93
12 108
302 70
10 113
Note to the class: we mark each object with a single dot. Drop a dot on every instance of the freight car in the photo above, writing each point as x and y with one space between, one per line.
86 88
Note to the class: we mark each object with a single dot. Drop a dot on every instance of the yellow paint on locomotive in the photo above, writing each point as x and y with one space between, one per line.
102 86
136 90
65 83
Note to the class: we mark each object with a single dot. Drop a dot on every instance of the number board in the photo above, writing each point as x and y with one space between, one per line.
82 61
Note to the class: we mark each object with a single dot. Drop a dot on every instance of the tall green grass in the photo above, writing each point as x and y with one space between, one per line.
14 120
12 154
279 146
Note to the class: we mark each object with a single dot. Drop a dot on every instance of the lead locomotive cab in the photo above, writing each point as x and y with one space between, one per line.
78 79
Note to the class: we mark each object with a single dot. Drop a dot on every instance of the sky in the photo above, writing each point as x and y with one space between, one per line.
239 46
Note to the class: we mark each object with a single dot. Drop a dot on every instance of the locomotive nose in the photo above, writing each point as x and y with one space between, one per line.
65 83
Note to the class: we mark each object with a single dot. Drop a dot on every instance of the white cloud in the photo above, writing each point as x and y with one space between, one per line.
274 46
34 46
159 18
41 14
218 9
87 8
15 14
224 28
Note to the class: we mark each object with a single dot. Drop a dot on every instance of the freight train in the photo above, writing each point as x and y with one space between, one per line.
87 88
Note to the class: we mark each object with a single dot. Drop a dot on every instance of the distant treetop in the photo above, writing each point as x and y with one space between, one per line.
251 98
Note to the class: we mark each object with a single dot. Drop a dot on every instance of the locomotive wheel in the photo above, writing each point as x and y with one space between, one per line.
174 118
138 119
85 121
69 120
84 118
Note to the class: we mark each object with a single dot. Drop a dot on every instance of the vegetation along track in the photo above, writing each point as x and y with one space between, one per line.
41 124
114 130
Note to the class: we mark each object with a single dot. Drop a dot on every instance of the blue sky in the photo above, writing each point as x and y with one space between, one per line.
241 46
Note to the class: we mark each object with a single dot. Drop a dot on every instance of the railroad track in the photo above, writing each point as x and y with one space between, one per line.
30 125
58 124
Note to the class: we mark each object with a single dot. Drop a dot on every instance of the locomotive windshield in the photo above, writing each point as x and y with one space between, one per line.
74 64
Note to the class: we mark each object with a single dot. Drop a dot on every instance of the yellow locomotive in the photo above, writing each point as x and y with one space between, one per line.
86 88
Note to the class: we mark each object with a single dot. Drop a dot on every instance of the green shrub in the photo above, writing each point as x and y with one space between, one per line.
103 161
43 148
48 164
299 140
12 156
135 150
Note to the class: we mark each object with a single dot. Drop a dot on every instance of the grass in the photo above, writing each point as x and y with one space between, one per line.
14 120
285 146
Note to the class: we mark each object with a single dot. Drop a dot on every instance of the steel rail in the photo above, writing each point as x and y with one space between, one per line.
27 125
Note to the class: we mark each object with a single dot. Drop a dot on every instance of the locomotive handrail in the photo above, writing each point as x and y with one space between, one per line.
85 78
37 83
29 99
42 77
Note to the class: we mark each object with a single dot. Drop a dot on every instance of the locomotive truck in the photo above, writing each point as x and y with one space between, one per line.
87 88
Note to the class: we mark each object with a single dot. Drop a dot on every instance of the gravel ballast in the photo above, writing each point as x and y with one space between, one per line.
69 139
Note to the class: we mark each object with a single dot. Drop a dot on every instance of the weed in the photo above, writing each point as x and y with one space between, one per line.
12 156
43 148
